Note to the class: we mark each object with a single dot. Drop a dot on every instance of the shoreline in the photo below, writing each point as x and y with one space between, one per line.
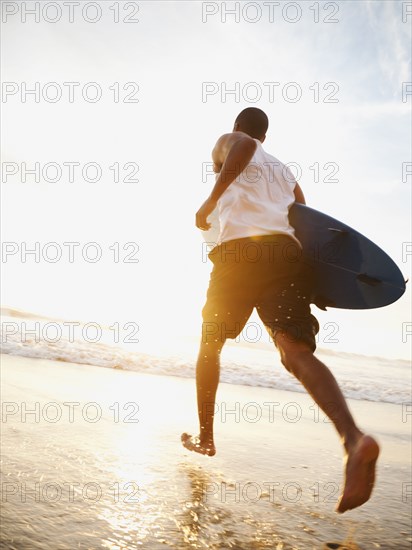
7 312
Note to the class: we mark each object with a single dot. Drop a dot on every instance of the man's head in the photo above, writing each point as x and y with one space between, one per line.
252 121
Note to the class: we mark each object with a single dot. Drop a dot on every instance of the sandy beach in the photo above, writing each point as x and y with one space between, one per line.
91 458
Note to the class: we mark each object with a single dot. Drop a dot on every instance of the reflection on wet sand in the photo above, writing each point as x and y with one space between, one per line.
207 521
202 524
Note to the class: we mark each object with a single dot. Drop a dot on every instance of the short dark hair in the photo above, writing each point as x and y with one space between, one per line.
253 121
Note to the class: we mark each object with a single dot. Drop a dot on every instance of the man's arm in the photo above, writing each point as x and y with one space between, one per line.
299 196
232 153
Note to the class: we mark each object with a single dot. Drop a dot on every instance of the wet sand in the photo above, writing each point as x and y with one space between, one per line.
98 463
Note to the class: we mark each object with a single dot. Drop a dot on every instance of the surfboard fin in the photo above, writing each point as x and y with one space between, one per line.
367 279
322 303
341 231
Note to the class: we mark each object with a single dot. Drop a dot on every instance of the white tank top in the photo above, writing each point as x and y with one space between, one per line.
258 201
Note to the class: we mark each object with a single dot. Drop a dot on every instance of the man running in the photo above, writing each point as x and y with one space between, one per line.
257 264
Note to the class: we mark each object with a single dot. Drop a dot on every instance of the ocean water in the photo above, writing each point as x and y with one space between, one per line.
360 377
123 481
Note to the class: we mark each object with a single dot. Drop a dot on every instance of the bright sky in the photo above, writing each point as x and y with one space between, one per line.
334 78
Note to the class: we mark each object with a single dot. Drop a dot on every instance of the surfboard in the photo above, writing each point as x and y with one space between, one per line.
349 270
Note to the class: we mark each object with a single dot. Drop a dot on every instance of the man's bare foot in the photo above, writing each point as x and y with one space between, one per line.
359 473
193 443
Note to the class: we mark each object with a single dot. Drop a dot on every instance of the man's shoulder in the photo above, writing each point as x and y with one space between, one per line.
225 143
224 138
231 137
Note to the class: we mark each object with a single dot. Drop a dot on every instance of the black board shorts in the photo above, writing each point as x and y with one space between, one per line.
266 273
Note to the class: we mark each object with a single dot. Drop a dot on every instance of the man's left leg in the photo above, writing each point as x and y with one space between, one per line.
207 381
229 304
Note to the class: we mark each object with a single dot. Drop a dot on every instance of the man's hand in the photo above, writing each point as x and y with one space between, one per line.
204 211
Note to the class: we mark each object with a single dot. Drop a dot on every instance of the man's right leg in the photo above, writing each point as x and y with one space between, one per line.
207 381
